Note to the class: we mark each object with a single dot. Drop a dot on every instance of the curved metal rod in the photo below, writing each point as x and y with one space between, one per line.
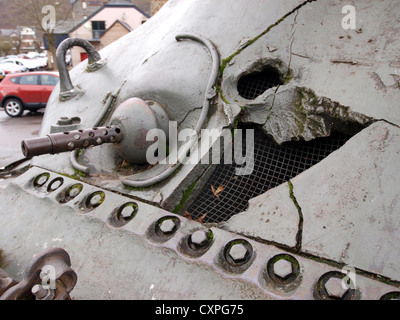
210 93
67 90
73 157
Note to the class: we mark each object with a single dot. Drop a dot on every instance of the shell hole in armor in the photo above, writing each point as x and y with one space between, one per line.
273 165
251 85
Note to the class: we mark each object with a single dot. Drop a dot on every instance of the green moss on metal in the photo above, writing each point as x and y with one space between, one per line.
184 198
80 173
139 188
210 235
220 93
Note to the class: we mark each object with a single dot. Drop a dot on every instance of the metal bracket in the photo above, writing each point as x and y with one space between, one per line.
52 265
67 90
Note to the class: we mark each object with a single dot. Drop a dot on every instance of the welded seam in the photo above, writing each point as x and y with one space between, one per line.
327 261
299 235
291 43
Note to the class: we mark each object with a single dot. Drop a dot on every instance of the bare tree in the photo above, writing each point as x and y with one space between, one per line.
43 15
16 41
6 45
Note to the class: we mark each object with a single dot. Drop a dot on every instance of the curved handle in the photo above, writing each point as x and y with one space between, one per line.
67 90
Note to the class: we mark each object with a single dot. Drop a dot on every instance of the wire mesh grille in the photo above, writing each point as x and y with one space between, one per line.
273 165
254 84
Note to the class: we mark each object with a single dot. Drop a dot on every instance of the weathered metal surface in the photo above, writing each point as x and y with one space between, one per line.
293 242
115 257
341 210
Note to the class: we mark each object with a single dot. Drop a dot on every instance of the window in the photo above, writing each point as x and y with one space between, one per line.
30 80
84 5
98 29
48 80
15 80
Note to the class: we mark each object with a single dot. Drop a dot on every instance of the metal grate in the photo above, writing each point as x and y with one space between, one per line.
254 84
273 165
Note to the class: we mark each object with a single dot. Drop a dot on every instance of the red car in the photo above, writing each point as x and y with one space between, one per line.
26 91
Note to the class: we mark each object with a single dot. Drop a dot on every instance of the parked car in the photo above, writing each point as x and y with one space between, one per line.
8 67
43 55
37 58
31 65
26 91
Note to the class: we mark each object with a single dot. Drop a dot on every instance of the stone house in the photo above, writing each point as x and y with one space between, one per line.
105 25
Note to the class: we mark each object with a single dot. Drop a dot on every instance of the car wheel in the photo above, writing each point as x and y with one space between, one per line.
13 107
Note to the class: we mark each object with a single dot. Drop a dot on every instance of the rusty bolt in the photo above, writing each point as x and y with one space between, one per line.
331 286
42 293
42 180
334 288
238 252
283 268
199 237
128 210
74 191
55 184
96 199
167 226
63 121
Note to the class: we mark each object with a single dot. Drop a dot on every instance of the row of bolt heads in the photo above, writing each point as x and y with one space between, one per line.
238 252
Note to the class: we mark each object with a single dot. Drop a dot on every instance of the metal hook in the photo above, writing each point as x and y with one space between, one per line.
67 90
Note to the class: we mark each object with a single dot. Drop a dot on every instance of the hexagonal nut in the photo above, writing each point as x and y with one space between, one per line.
238 252
199 238
42 293
283 268
128 210
167 226
334 287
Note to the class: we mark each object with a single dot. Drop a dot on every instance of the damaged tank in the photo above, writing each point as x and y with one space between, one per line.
222 150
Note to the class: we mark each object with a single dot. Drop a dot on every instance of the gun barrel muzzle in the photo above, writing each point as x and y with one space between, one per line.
70 140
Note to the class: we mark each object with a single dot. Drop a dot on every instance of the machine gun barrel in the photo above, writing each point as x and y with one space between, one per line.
70 140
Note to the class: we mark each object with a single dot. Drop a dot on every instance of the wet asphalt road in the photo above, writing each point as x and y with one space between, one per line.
13 131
